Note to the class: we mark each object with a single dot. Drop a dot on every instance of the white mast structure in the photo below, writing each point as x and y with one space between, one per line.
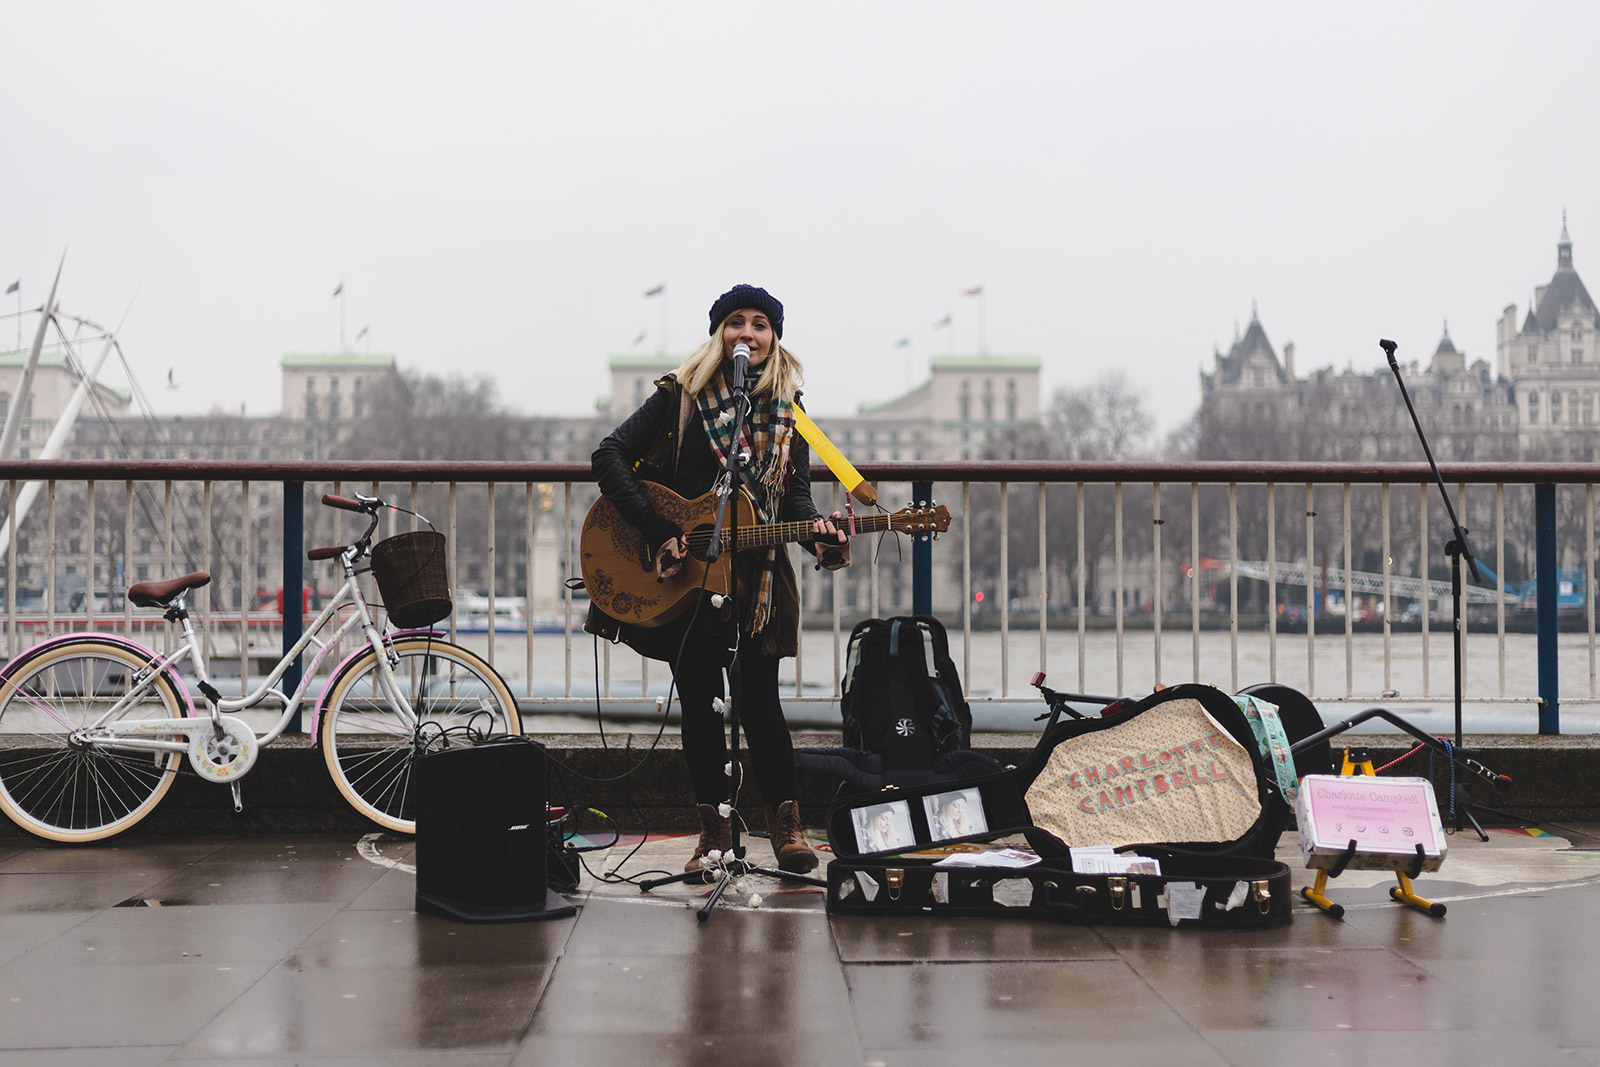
19 403
69 415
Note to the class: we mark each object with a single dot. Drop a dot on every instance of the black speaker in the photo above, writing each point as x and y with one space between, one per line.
481 835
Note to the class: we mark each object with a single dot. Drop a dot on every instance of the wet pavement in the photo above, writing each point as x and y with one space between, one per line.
306 949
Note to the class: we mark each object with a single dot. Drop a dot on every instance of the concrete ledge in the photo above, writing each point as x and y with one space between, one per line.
1556 778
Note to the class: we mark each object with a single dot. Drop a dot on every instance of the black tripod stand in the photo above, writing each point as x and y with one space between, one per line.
1458 551
738 865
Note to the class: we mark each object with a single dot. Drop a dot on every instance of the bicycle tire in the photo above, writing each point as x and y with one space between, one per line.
369 752
54 790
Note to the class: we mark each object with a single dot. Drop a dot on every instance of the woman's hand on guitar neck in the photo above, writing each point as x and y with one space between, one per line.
669 558
831 556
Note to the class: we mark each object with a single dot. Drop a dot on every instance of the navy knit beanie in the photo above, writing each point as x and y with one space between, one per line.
747 296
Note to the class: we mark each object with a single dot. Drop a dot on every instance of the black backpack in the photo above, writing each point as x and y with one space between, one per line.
901 696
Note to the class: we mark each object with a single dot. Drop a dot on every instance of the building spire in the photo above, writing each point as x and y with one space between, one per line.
1564 246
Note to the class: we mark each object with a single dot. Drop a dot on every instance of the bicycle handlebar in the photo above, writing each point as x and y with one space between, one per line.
324 553
341 502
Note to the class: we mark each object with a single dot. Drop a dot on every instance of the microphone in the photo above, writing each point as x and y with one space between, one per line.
1388 348
741 360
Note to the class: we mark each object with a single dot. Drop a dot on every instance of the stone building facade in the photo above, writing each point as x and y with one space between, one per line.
1553 362
1540 400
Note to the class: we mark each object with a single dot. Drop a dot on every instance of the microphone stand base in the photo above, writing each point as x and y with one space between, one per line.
730 872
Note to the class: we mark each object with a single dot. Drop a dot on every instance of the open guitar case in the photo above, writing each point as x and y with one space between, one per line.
1179 776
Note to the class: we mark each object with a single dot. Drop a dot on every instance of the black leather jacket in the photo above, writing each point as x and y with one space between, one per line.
646 445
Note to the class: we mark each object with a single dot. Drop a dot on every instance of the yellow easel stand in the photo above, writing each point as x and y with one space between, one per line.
1404 893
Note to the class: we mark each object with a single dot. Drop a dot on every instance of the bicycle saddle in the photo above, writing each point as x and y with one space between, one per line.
160 594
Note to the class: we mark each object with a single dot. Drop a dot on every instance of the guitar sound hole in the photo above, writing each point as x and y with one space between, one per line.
699 540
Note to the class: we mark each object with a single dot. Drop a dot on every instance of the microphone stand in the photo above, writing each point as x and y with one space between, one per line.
738 866
1459 551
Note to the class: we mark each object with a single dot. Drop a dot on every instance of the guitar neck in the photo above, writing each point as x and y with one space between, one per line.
782 533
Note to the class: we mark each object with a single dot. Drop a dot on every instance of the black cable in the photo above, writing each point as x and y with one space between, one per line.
612 877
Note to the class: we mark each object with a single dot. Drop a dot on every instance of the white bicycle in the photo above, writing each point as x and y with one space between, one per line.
95 727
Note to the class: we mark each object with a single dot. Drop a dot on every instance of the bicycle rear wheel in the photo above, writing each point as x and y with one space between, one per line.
369 747
64 790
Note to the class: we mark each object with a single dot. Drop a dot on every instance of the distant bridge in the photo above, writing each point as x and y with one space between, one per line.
1367 582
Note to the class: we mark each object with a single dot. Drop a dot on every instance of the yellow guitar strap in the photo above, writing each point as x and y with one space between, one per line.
848 476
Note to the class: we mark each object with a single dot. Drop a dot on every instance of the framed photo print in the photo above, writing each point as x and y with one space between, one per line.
958 813
883 827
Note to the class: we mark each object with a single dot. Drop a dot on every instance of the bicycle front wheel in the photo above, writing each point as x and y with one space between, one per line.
60 786
369 745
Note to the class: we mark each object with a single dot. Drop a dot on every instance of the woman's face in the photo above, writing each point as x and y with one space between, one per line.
748 326
882 823
956 810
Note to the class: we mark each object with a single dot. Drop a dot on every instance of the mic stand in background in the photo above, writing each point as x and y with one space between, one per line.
1458 551
738 866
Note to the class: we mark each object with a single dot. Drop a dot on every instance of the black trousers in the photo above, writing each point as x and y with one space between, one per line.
705 742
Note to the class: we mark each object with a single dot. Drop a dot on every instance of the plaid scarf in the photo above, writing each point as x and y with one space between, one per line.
765 437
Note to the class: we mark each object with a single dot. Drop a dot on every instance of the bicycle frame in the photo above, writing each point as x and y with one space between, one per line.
108 719
124 733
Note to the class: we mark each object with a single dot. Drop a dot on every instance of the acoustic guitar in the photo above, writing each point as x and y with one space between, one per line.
618 567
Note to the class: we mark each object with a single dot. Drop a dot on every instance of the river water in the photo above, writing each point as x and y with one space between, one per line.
1501 681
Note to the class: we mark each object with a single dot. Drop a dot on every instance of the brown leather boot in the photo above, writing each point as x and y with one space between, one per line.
716 834
789 839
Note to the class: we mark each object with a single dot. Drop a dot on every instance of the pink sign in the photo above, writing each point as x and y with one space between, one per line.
1382 815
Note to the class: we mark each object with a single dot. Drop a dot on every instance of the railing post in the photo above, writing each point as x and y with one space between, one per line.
294 537
922 556
1547 587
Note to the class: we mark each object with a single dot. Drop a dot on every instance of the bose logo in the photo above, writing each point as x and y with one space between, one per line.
519 826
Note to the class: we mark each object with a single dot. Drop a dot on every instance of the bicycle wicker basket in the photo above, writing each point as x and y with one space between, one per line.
412 579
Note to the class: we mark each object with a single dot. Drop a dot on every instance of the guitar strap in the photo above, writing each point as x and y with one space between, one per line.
848 476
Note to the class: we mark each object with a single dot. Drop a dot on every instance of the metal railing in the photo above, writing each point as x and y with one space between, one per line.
1114 567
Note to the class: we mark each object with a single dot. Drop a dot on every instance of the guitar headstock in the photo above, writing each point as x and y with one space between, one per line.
931 518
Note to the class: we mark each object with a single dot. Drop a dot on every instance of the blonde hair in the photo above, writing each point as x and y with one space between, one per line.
780 373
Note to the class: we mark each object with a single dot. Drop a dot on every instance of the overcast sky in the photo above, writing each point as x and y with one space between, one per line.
497 185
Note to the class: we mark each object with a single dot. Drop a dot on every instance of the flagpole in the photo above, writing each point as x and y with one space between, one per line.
341 318
651 294
979 291
983 316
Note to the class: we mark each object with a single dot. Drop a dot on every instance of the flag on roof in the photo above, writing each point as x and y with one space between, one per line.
656 291
14 286
338 289
942 322
362 332
903 342
976 290
637 341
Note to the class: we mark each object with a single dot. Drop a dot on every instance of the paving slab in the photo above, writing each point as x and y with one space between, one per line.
306 949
